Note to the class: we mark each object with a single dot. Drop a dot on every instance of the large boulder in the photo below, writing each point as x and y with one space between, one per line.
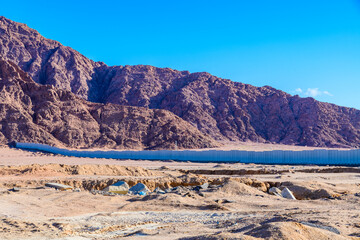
140 189
120 187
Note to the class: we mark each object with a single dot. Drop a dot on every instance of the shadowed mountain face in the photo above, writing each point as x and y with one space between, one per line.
220 108
31 112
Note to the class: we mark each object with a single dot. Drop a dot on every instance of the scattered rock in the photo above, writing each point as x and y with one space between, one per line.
120 187
180 190
204 186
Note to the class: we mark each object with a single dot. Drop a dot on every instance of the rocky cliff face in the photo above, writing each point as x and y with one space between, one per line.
47 61
223 109
30 112
236 111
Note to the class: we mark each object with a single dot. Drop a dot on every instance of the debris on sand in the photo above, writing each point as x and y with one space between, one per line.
159 191
275 191
120 187
286 193
203 186
59 186
14 189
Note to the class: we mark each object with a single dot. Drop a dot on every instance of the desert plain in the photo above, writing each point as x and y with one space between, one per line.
235 205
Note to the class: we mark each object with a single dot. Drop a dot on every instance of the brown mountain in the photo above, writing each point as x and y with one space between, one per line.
31 112
221 108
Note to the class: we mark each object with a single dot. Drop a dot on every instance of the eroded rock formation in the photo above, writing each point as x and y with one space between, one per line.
31 112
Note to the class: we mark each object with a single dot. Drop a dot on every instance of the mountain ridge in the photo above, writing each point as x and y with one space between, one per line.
37 113
220 108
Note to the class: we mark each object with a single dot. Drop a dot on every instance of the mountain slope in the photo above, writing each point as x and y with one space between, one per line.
31 112
221 108
236 111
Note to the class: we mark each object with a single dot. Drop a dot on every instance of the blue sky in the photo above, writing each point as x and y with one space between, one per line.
310 48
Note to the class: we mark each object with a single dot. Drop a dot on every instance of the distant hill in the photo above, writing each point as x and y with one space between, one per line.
220 108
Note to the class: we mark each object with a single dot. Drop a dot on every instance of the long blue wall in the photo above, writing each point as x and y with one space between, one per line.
315 157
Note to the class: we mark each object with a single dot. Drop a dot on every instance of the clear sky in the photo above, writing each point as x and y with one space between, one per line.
307 47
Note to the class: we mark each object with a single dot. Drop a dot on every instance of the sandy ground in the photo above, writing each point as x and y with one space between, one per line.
237 204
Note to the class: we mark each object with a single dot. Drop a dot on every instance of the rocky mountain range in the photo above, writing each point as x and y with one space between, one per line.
218 108
30 112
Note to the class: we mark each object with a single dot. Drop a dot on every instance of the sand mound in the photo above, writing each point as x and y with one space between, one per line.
172 201
310 190
292 231
234 187
221 236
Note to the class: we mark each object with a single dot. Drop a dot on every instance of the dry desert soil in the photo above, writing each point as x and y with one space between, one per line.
236 205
